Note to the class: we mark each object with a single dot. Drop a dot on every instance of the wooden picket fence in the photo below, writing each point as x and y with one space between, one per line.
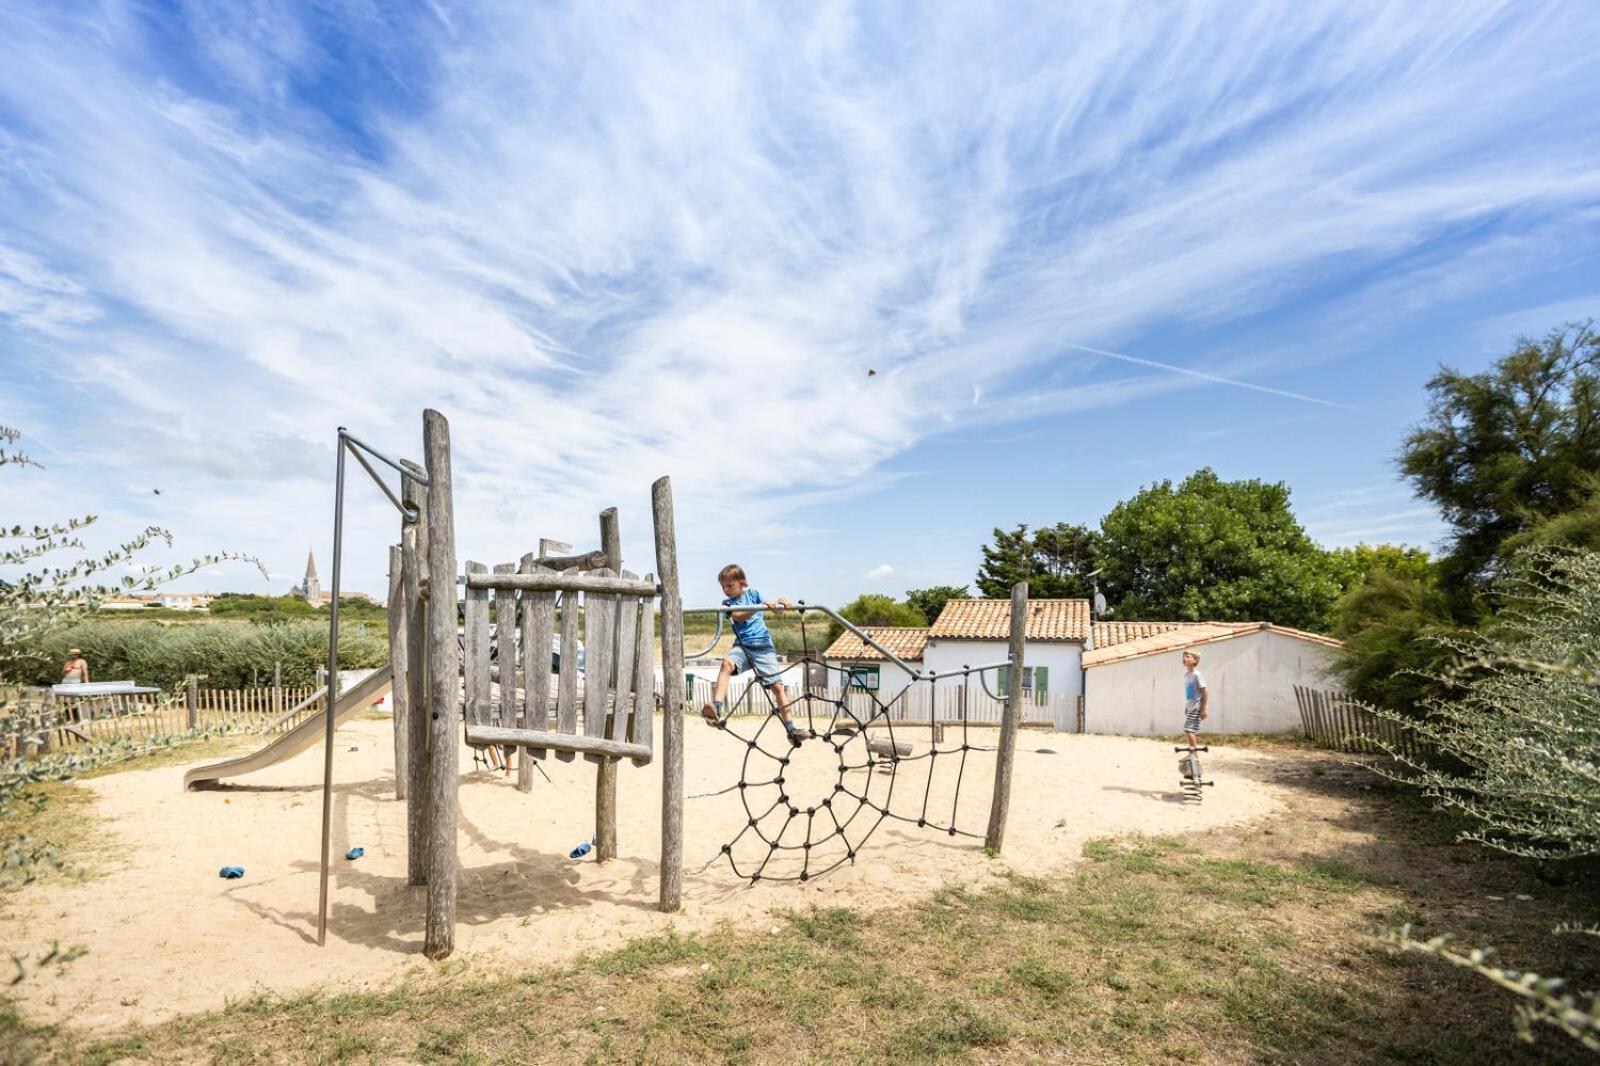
37 722
1336 721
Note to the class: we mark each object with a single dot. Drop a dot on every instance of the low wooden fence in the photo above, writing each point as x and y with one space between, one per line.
1336 721
35 720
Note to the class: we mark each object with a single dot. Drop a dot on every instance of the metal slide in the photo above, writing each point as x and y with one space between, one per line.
307 734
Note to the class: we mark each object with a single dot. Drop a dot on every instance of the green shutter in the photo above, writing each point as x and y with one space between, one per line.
1041 681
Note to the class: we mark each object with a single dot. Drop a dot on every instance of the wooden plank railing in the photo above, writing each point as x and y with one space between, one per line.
1338 722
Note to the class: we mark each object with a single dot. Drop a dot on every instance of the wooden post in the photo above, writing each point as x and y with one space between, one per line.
191 701
1001 803
535 673
605 781
277 689
413 550
671 698
444 661
400 664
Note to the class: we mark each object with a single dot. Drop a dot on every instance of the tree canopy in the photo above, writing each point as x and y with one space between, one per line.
1055 561
1505 452
1209 549
929 602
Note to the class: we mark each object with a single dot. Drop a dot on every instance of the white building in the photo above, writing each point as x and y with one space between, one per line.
1134 675
866 678
978 633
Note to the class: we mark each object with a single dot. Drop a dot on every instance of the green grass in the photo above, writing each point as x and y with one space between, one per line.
1154 950
1247 945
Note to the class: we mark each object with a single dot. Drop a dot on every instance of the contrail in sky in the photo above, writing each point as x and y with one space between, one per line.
1203 376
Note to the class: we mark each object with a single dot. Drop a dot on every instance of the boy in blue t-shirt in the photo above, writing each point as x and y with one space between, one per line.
752 650
1196 698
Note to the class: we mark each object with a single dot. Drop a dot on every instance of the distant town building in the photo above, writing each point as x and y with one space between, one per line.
172 601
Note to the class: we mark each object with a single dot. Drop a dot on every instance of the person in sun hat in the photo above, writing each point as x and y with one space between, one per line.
76 670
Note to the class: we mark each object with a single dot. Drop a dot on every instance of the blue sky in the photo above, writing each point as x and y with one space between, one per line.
614 241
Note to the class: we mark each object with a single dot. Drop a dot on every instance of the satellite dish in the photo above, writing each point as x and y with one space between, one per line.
1100 607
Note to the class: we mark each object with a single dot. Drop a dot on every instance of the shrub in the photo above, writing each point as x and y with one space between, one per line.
1523 724
223 655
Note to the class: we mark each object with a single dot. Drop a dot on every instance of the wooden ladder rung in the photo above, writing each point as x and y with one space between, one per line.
486 736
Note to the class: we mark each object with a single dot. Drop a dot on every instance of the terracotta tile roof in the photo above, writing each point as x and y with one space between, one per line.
905 641
1188 635
1064 620
1110 634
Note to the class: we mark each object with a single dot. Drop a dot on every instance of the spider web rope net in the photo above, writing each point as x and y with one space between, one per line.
782 840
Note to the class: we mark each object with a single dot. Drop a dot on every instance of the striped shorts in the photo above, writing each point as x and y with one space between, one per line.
1191 720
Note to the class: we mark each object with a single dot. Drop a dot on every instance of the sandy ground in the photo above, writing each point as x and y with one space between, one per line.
166 935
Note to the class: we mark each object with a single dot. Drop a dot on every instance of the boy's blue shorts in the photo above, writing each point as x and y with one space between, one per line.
763 658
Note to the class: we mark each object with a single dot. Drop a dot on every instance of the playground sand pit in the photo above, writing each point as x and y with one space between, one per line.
166 935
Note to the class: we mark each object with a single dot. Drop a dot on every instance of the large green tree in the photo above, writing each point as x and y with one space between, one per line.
1054 561
1352 566
929 602
1512 456
875 609
1209 549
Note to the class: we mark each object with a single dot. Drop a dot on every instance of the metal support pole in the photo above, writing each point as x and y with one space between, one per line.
333 694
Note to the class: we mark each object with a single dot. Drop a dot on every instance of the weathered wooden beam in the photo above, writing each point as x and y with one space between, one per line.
605 780
543 738
413 553
671 697
564 582
400 665
586 561
1000 805
567 680
537 621
444 756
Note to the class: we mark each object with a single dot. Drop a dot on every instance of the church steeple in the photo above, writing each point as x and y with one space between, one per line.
311 589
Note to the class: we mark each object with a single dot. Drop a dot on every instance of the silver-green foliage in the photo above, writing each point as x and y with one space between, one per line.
1545 1000
1518 753
1520 742
44 597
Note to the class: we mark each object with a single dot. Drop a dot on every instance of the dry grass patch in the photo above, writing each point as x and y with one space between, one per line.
1251 945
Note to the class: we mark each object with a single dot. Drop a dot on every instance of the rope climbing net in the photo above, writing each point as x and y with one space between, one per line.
812 801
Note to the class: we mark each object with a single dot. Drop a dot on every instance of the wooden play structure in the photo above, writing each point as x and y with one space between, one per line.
494 652
500 671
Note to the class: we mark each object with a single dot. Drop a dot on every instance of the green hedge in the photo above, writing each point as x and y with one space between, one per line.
223 655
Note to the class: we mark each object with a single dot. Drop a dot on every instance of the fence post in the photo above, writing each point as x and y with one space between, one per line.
192 702
1001 802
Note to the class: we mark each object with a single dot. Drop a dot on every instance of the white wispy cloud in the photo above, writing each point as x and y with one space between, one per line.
881 572
612 242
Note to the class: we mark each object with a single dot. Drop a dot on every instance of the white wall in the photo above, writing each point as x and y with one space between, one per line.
1250 679
1063 660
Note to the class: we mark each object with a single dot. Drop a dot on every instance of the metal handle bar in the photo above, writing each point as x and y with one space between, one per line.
802 606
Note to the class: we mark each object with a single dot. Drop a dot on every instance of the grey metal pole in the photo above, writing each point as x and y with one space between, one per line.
333 685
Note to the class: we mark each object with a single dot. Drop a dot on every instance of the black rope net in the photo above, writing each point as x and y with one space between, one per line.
850 784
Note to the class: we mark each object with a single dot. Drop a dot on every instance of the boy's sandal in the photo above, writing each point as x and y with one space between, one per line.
709 713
